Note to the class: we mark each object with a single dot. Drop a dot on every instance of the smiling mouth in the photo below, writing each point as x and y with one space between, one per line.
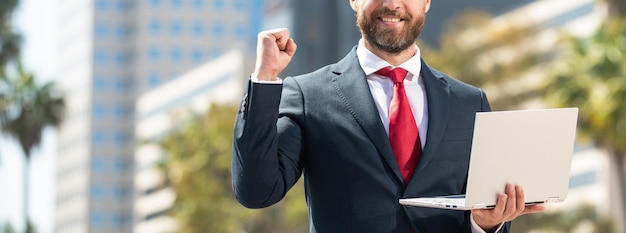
390 19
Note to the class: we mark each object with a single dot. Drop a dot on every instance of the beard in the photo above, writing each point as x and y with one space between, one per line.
387 39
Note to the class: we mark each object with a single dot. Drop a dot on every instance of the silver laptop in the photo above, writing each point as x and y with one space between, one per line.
532 148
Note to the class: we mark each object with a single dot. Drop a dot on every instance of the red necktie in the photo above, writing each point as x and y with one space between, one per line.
403 132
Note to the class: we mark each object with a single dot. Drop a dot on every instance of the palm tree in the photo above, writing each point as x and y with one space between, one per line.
25 110
592 77
9 41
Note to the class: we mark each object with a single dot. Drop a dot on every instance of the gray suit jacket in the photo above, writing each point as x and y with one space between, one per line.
325 124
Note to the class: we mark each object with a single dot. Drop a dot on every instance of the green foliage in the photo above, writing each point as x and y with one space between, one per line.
6 8
30 227
26 108
584 218
9 40
475 51
8 228
198 168
592 77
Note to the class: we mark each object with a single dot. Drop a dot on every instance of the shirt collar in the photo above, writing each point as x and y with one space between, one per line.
371 63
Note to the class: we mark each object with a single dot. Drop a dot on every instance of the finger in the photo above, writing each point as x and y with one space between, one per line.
282 37
511 202
519 196
500 205
276 37
534 209
290 47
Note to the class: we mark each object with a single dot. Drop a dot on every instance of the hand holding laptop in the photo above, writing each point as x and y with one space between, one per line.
505 146
509 206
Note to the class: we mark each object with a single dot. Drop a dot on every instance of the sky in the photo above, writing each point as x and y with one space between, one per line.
36 22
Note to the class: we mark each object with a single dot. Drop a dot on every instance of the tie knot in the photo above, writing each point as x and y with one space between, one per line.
397 74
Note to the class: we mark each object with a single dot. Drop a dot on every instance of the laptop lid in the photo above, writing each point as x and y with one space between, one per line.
532 148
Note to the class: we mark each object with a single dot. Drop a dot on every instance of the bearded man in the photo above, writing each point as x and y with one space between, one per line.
377 126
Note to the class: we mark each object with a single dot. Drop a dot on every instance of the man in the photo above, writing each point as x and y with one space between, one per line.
339 126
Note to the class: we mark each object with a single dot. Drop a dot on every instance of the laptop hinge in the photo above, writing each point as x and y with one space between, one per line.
479 206
554 200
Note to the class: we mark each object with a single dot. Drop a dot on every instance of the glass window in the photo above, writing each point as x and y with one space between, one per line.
99 84
101 30
97 165
240 5
97 191
154 54
197 28
120 192
197 4
118 219
98 137
122 5
120 165
155 3
155 26
122 32
239 31
120 111
218 30
99 110
175 55
218 5
96 219
197 56
176 28
154 80
120 138
100 57
177 4
101 5
121 58
122 85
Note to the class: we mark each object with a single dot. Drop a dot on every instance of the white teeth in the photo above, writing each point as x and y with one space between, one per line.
391 19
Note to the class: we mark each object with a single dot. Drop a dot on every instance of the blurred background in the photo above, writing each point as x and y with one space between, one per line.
117 115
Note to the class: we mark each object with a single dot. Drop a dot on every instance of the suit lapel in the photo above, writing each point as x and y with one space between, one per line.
437 94
351 84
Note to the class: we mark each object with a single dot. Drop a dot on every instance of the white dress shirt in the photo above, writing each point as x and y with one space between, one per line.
381 87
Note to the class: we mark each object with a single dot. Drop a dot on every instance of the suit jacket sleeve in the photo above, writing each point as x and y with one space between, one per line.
267 143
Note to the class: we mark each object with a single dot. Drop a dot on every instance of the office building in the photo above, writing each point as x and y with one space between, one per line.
112 51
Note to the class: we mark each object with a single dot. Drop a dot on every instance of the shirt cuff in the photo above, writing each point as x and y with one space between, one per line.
477 229
255 79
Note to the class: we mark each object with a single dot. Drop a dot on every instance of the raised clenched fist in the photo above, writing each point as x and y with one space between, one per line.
274 52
